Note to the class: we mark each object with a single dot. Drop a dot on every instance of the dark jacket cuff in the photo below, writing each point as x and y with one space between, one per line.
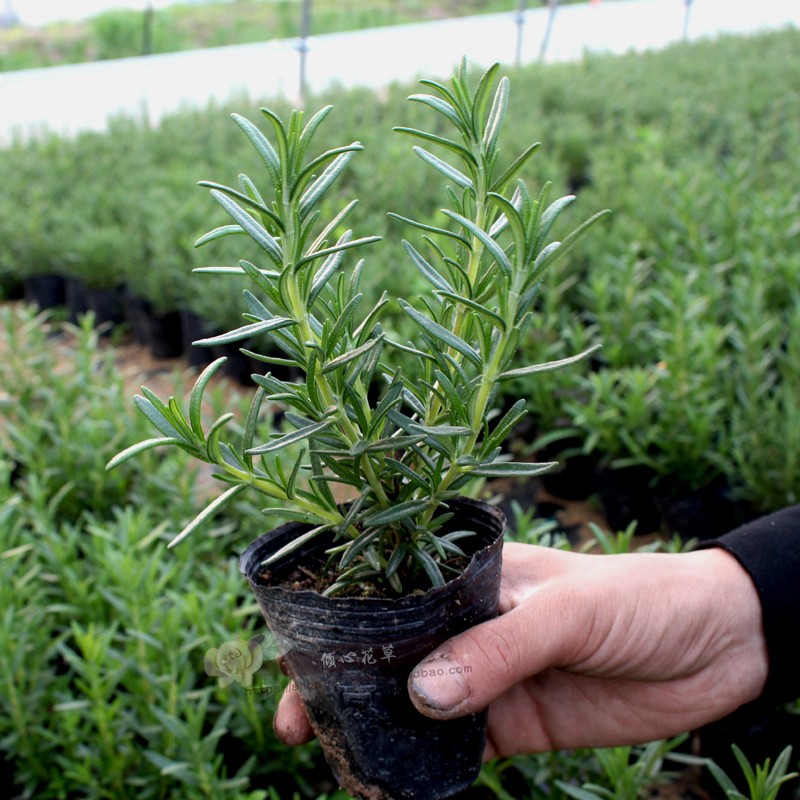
769 550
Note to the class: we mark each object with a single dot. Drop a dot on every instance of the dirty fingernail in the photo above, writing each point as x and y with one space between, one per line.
439 683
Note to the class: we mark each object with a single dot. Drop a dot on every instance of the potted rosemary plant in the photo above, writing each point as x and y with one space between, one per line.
394 558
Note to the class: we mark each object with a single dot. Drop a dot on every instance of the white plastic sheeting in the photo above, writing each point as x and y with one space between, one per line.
84 96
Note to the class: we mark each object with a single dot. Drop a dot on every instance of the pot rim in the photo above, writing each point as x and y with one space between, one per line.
252 557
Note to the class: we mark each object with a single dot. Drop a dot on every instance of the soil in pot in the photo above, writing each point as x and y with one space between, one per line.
351 658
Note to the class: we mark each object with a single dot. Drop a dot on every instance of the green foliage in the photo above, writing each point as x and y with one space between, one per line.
763 780
627 773
103 687
103 691
418 444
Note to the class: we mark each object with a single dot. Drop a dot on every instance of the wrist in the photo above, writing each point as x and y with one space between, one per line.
734 599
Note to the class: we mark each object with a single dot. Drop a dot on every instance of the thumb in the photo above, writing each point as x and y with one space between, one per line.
472 669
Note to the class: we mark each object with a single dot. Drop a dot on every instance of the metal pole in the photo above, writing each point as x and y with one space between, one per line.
147 32
520 19
302 46
553 6
686 16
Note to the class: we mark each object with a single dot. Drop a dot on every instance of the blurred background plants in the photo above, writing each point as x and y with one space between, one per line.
693 282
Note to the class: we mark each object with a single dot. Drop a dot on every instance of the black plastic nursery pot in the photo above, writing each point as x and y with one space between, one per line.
351 658
45 291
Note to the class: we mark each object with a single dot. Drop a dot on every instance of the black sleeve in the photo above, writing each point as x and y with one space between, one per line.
769 549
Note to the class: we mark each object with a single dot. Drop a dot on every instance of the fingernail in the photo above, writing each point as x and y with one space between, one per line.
439 683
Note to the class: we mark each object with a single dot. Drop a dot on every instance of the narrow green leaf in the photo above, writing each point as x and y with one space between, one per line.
502 182
577 792
394 442
437 104
207 513
449 144
396 559
291 438
442 334
254 229
251 423
428 272
296 543
287 514
358 545
351 355
430 228
311 127
496 115
411 475
212 438
449 171
332 226
492 317
544 262
179 421
326 251
158 414
196 397
512 469
551 214
441 430
490 244
499 433
140 447
532 369
246 332
262 146
328 269
514 221
264 281
314 193
453 396
247 201
429 565
396 513
217 233
281 141
343 322
407 348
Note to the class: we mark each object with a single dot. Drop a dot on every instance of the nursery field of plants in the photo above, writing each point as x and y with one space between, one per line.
684 424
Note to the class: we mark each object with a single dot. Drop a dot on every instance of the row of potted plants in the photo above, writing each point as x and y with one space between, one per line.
699 183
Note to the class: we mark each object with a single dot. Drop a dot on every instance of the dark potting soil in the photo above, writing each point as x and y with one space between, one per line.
316 578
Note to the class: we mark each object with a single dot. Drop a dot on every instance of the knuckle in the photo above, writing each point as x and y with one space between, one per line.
500 650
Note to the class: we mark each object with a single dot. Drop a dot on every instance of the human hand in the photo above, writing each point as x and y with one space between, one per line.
596 651
593 651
